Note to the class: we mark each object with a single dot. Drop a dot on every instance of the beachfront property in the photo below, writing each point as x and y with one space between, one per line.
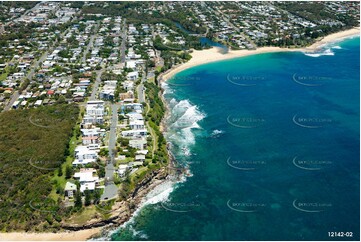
139 133
136 124
136 121
84 155
70 189
122 168
136 107
139 144
87 179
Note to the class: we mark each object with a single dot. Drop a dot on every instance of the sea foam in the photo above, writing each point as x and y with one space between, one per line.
159 194
183 120
322 53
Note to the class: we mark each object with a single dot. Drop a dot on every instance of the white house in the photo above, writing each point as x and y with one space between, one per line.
84 155
95 108
131 64
70 189
138 107
91 119
139 144
133 76
134 133
140 158
128 85
87 179
90 132
134 116
136 124
122 168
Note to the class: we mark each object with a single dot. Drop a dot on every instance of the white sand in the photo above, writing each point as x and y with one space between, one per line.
81 235
214 54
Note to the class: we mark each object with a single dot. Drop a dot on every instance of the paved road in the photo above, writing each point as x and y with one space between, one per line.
31 73
140 88
96 85
123 44
111 190
90 44
29 76
24 14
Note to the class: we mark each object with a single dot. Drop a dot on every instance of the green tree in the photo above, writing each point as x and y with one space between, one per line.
68 172
101 171
87 201
96 195
60 171
78 203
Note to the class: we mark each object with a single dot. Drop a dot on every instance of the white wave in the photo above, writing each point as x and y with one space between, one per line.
135 233
182 122
166 88
189 118
336 47
216 133
159 194
185 114
172 102
318 54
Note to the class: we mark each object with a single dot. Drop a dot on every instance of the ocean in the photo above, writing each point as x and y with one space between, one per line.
272 144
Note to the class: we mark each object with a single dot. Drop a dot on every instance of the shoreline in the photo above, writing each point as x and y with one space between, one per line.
120 214
200 57
80 235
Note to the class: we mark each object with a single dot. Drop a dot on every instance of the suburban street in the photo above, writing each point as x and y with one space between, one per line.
123 44
140 89
31 73
111 190
90 44
96 85
29 76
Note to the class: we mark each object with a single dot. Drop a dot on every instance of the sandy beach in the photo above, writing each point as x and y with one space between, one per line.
214 54
81 235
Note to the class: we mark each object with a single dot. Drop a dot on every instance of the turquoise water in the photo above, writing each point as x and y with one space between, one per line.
272 142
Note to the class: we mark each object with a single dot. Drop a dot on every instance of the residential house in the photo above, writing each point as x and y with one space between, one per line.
139 144
87 178
70 189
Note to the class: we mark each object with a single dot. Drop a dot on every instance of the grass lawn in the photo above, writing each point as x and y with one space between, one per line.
126 161
3 76
158 68
152 79
84 216
139 174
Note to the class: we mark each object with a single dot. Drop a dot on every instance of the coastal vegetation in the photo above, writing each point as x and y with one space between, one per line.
35 143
